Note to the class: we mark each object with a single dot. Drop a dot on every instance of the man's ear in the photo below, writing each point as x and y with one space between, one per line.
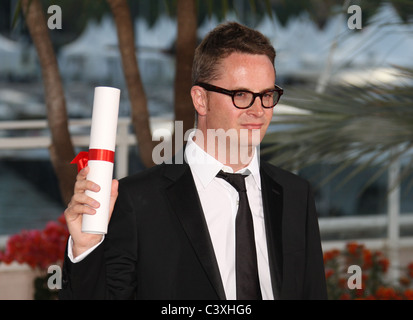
199 99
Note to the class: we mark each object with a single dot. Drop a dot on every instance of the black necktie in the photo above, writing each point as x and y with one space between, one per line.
248 285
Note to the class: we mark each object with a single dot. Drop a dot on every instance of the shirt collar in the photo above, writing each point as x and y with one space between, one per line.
206 167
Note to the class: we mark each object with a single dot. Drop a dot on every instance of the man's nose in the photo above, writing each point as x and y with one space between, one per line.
256 109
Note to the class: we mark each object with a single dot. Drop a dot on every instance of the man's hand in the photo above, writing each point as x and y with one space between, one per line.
81 204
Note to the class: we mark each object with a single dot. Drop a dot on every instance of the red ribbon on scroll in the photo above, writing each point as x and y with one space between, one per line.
83 157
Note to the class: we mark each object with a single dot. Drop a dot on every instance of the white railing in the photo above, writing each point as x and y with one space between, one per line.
80 131
80 134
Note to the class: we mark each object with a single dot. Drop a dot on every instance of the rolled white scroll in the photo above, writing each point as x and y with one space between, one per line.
101 155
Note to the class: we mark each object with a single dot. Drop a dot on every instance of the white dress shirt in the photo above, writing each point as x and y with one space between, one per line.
219 202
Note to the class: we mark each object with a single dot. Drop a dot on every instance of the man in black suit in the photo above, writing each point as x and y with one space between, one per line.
175 231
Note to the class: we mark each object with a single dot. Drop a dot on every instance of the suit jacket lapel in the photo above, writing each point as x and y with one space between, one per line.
272 197
185 202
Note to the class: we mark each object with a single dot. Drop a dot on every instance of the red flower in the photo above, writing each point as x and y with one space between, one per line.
38 248
408 294
330 255
384 264
368 259
354 248
385 293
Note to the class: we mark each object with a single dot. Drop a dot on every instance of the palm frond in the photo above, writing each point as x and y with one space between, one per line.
347 125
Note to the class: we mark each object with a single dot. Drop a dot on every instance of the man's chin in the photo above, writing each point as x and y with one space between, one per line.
250 138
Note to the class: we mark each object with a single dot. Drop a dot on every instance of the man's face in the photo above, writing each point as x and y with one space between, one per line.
240 71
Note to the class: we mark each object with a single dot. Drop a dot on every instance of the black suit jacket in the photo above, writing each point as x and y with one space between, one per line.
158 245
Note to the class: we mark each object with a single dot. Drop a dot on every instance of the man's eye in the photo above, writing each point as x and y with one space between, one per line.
241 94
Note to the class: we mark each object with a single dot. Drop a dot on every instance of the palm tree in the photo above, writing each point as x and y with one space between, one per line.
61 148
185 47
136 92
351 126
185 51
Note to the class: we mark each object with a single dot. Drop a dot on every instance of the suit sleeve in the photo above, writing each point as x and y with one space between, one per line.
315 282
85 279
109 271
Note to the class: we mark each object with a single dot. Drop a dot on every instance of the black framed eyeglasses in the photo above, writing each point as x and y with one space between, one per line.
243 99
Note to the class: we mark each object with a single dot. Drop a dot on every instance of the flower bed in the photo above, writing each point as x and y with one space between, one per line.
30 253
373 267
